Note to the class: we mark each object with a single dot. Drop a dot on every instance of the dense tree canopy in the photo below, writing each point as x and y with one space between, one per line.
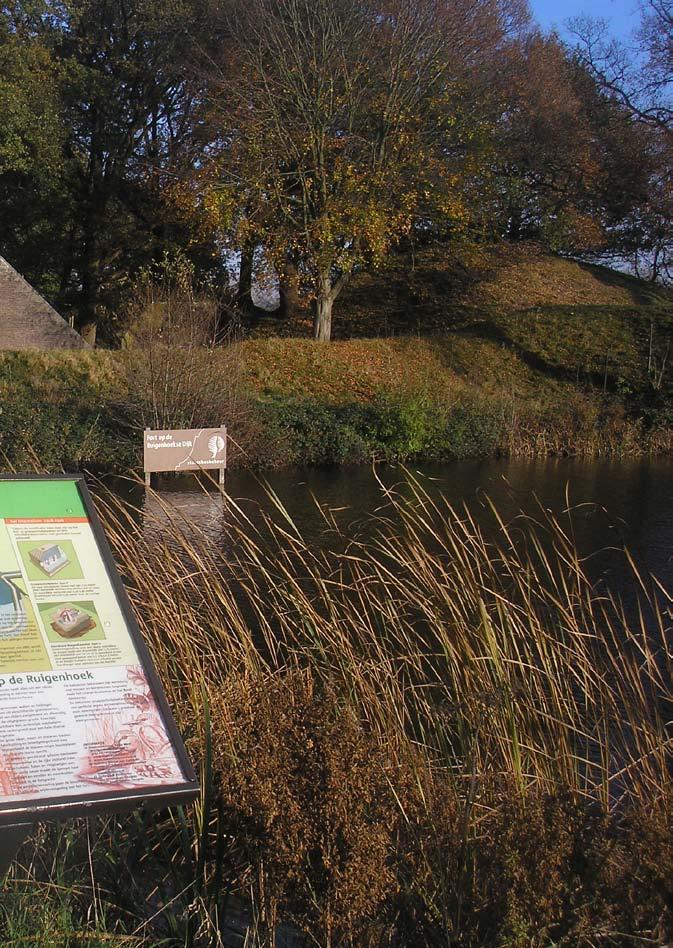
318 133
343 123
106 116
566 163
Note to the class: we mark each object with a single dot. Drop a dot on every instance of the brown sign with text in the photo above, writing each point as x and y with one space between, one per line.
187 449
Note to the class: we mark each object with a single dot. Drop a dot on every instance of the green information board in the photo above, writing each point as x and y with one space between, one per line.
85 722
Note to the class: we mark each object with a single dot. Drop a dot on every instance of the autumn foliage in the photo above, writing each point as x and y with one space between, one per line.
312 139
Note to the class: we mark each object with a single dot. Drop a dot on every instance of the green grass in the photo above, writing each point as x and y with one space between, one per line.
507 320
521 352
539 354
426 291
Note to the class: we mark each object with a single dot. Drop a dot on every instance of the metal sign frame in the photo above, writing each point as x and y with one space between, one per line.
118 801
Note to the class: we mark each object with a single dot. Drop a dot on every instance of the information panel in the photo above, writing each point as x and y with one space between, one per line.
84 720
186 449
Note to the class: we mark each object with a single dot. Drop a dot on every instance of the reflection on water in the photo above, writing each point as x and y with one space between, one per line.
195 512
613 504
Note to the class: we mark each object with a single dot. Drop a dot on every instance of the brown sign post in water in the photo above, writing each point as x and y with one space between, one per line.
185 449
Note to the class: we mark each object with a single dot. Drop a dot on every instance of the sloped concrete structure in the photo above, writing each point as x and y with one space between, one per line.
27 321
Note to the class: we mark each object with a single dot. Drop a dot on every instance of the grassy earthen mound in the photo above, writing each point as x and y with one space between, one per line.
438 288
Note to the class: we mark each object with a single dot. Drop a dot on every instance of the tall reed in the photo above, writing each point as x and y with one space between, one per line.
483 668
435 730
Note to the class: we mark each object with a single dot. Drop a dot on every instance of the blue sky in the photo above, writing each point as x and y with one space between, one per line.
621 15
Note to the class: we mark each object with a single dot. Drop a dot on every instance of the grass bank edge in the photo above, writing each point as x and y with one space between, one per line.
454 396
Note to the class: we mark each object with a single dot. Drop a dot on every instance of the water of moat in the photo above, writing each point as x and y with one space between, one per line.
613 503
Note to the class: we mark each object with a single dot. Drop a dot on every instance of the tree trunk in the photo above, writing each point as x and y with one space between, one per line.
289 291
322 318
515 225
89 264
88 332
97 190
244 293
322 308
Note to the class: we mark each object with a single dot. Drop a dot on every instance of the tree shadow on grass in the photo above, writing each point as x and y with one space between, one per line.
642 293
490 331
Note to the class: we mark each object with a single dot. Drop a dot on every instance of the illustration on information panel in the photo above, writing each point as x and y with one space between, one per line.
130 747
49 557
71 622
13 618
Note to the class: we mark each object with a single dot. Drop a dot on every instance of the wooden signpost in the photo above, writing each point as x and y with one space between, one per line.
186 449
86 727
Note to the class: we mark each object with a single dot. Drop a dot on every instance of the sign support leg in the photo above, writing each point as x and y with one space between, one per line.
148 476
11 838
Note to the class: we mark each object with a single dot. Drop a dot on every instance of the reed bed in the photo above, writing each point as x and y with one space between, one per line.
435 731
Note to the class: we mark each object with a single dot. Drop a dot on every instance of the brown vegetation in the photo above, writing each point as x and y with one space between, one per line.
424 738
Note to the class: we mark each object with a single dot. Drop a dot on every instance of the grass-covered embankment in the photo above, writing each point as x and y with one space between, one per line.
507 363
466 394
547 381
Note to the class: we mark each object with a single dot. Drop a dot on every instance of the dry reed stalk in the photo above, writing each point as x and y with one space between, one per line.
498 650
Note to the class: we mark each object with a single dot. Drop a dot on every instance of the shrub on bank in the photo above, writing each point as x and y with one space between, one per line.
314 810
389 428
417 427
89 411
63 414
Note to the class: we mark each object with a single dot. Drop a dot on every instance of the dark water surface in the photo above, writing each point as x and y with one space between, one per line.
614 503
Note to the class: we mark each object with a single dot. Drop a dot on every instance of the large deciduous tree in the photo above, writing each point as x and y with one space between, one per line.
341 123
32 133
107 109
558 147
638 75
128 109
